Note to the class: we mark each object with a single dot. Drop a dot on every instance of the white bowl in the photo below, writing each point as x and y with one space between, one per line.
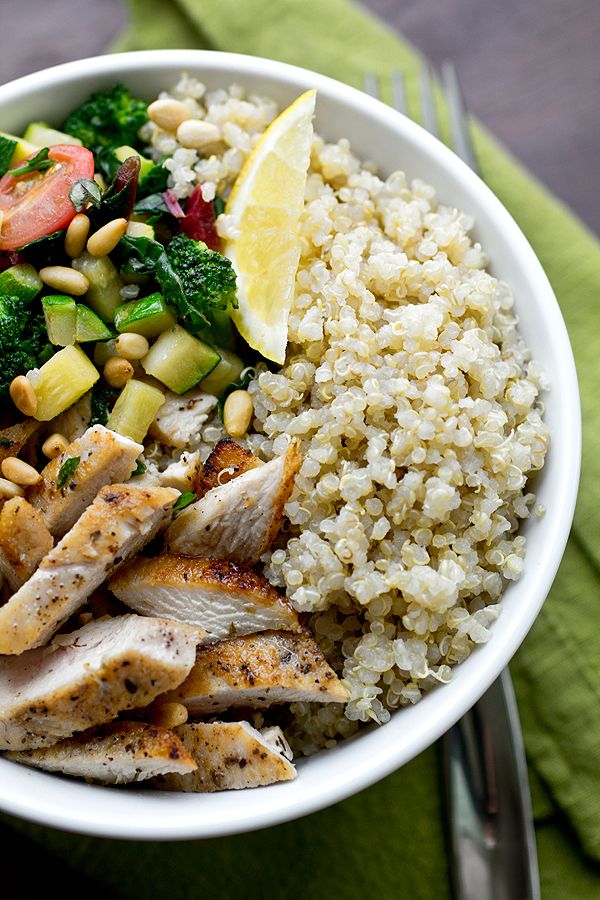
393 141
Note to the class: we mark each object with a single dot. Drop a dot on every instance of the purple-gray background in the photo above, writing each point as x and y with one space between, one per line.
530 69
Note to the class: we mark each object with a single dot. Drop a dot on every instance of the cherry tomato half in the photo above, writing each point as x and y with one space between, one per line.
38 204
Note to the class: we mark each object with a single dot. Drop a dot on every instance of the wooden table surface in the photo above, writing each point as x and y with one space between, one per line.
530 70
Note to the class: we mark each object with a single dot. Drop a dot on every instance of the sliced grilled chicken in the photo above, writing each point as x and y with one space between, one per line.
117 753
226 462
230 756
259 670
75 420
181 417
86 678
222 597
182 473
105 457
237 520
14 438
118 523
24 541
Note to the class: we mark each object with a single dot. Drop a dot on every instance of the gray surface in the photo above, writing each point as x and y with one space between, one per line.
530 70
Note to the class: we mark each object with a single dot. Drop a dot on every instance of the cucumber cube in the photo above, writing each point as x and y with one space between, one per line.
179 360
90 327
227 371
149 316
140 229
146 165
60 314
135 409
104 294
20 281
61 381
42 135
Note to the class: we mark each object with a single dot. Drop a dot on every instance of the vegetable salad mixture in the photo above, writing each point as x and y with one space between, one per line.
267 428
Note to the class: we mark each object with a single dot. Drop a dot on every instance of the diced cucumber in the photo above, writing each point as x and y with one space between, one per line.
139 229
7 148
42 135
227 371
146 165
105 284
135 409
179 360
90 327
103 351
62 381
20 281
21 150
149 316
60 313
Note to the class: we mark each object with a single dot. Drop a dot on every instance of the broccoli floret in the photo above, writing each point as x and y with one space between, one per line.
207 278
23 340
108 119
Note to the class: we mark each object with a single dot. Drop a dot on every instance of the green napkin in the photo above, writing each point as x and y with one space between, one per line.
388 841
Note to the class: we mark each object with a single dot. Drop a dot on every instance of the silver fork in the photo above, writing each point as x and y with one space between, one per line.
490 823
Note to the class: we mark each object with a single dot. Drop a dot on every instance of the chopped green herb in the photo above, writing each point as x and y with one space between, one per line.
83 192
184 500
102 394
67 470
37 163
140 469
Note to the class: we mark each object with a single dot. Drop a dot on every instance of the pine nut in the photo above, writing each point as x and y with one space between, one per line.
23 395
62 278
117 371
131 345
237 413
195 133
168 113
8 489
76 235
104 241
19 471
169 715
54 445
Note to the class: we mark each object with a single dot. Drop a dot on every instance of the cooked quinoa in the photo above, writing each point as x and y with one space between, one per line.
417 407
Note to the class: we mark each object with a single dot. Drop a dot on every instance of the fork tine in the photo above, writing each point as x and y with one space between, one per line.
371 85
428 113
457 114
399 92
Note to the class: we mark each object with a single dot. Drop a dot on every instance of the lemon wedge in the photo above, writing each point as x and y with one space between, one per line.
266 202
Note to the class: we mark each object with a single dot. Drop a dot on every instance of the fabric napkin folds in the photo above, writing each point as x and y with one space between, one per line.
388 841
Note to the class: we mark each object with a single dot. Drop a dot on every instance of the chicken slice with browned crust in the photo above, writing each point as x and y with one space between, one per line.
259 670
221 596
179 421
86 678
116 753
14 438
227 460
118 523
24 541
230 756
66 489
240 519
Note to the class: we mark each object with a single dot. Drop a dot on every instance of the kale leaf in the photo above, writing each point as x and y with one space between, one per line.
23 340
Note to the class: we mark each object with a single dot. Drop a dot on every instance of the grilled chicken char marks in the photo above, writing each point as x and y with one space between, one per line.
240 519
231 756
116 753
222 597
227 460
105 457
114 527
88 677
259 670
